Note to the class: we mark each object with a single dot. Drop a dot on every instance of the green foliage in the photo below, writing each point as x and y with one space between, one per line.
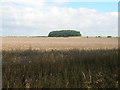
60 69
64 33
109 36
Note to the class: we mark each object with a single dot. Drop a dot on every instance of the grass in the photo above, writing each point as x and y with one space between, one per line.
60 69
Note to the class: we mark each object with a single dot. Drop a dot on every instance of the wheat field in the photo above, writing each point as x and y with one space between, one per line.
50 62
47 43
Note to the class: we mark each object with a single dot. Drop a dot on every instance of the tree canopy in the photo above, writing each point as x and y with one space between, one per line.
64 33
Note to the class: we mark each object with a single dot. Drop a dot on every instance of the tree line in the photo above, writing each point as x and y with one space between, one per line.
64 33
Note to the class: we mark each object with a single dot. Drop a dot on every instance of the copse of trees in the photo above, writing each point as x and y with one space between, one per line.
64 33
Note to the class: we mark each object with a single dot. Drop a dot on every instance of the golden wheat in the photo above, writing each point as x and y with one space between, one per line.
49 43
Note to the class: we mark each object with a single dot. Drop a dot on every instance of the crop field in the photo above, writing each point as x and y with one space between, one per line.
48 43
73 62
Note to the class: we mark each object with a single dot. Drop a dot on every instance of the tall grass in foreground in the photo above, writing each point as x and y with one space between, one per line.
60 69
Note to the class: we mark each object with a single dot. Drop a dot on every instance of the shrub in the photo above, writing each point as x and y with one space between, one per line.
109 36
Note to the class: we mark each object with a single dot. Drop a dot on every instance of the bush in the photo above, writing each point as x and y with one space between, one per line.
109 36
64 33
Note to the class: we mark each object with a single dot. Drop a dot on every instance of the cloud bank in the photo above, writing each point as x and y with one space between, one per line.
29 17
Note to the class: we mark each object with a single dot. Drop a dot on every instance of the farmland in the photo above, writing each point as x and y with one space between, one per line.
46 43
73 62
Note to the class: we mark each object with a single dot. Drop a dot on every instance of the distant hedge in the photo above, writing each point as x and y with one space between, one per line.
64 33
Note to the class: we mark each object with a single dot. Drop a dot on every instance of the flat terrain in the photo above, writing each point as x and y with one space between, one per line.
47 43
27 66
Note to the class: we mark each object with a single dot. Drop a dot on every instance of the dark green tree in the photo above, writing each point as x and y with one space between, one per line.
64 33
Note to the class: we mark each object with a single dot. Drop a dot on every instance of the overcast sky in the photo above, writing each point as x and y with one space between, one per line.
39 17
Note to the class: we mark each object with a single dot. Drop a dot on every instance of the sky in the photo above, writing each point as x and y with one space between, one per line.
39 17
